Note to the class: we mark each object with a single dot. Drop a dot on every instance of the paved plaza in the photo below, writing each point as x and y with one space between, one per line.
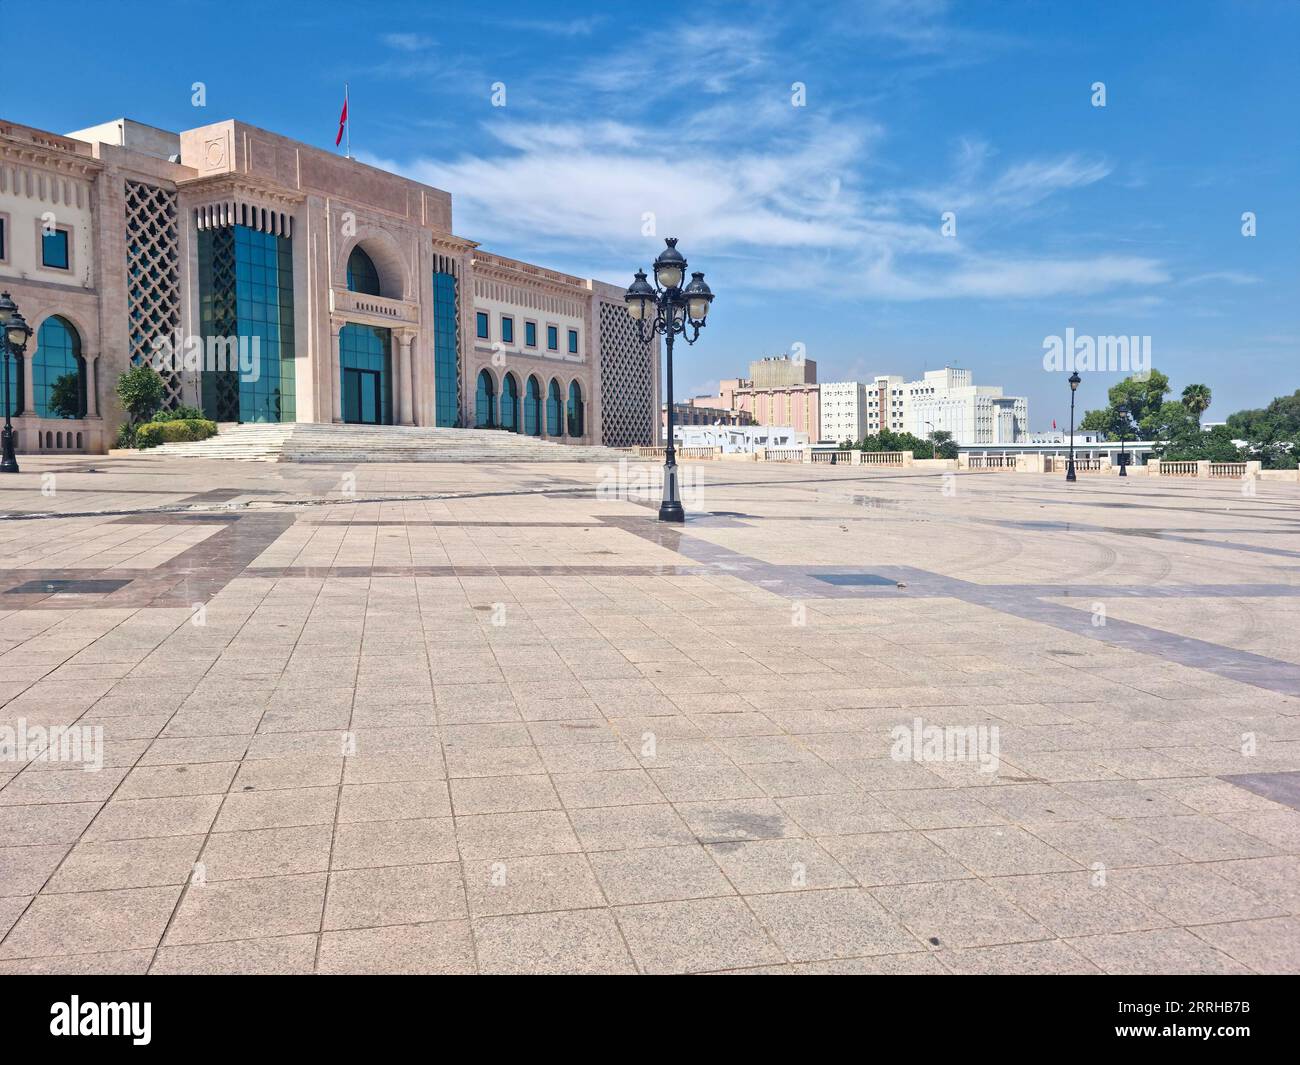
456 718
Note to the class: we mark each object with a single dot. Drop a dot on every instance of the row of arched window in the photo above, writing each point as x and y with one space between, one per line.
531 412
58 372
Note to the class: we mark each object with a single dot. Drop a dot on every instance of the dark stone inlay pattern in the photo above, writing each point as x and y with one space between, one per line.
856 580
1280 787
63 586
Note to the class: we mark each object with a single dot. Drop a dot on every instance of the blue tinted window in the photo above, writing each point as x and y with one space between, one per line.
552 338
58 371
246 318
507 330
54 249
482 325
573 341
530 334
446 397
362 275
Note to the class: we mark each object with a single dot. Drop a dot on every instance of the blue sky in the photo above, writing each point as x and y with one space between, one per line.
817 225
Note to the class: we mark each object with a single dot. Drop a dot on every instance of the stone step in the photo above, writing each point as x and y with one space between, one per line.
314 442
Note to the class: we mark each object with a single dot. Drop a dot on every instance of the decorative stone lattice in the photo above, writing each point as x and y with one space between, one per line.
627 376
153 269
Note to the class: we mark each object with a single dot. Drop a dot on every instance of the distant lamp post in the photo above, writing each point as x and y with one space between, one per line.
1123 439
933 453
1074 387
14 333
669 308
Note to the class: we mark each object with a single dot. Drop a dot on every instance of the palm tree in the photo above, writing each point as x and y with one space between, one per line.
1196 398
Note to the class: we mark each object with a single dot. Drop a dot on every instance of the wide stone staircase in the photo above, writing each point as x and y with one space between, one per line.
314 442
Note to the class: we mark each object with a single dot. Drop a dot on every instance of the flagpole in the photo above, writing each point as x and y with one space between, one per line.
347 126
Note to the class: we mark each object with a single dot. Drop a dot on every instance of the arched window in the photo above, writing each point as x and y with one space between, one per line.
362 275
575 409
485 402
510 403
554 409
533 407
59 371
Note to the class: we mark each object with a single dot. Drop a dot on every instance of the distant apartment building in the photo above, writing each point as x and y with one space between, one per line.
782 371
886 404
949 400
843 410
795 405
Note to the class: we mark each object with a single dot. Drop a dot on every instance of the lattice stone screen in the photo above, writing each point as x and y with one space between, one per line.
153 293
627 378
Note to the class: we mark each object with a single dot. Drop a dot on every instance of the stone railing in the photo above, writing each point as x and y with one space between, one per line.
991 462
833 457
1176 469
1228 469
344 302
783 454
884 458
682 453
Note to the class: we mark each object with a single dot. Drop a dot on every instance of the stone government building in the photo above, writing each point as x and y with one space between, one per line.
367 308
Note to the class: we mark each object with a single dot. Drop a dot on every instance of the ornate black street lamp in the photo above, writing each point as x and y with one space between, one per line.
669 308
1074 387
14 332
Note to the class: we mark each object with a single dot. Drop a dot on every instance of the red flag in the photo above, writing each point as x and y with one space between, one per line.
1053 423
343 121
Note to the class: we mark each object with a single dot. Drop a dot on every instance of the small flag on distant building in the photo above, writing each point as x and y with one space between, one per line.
343 122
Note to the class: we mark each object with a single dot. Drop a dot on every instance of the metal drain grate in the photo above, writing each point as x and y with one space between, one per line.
853 580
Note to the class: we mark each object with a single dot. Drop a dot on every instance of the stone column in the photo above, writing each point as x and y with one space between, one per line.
29 386
334 367
92 386
405 381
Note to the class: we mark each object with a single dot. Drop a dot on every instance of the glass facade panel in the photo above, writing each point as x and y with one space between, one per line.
554 409
362 275
17 368
533 407
445 376
485 402
246 321
58 371
365 363
510 403
575 409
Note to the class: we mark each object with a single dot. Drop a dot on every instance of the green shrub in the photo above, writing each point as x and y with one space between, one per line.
140 391
151 434
126 435
182 413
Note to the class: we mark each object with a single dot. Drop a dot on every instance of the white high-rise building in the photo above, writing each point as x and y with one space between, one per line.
886 404
949 400
844 411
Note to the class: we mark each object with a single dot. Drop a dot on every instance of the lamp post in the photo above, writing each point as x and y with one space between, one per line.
1074 387
1123 439
932 447
14 333
669 308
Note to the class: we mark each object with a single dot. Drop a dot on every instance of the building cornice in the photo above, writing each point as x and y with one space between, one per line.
512 271
231 186
54 158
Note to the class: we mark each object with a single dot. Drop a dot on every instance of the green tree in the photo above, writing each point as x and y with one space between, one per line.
945 447
65 396
1196 398
1130 403
140 391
